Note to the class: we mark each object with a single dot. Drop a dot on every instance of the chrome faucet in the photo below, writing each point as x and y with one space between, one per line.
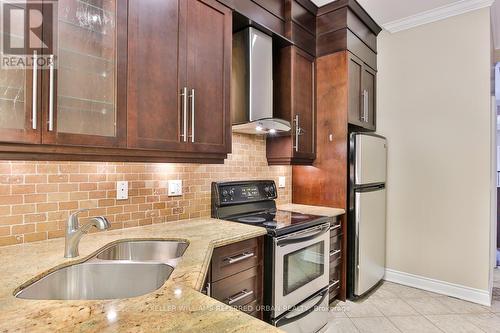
74 232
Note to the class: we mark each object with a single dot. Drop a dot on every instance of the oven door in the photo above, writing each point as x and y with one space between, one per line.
300 266
310 316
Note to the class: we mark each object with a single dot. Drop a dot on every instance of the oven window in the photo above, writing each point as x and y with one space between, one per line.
303 266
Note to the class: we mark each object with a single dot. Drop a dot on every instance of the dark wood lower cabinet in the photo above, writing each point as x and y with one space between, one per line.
236 276
336 260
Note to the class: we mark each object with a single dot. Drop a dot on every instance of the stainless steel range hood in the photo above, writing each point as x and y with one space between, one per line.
252 84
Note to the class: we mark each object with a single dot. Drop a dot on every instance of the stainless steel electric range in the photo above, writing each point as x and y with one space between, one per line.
296 254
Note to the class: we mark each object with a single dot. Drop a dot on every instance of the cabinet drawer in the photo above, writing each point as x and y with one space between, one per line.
335 243
234 258
335 258
333 289
335 229
240 289
253 309
335 269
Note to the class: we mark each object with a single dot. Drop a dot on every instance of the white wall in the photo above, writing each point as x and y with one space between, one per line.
434 108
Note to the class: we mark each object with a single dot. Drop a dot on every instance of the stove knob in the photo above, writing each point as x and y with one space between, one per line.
224 193
266 189
231 192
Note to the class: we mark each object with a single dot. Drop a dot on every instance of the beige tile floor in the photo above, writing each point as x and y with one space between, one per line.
396 308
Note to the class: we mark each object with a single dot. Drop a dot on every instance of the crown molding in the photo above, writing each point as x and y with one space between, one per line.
436 14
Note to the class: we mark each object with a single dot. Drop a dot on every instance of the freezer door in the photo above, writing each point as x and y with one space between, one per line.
370 239
370 159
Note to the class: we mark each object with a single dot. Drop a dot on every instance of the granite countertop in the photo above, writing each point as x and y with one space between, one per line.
177 306
314 210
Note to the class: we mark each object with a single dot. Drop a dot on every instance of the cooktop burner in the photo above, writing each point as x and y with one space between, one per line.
251 219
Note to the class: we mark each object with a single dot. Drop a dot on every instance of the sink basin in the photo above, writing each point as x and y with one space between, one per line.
144 251
98 280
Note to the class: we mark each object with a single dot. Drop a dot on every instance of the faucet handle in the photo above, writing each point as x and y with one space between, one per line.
73 217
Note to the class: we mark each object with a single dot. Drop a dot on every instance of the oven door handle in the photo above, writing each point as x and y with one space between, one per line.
287 320
294 240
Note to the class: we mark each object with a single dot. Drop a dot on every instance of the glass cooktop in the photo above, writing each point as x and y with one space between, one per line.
280 221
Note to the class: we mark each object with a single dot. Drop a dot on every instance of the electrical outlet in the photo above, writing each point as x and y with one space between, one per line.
174 188
282 182
122 190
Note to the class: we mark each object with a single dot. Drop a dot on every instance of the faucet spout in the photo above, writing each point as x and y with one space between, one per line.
74 232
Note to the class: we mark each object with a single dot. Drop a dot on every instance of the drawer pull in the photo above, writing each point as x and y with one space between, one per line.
335 227
333 284
239 296
334 253
239 257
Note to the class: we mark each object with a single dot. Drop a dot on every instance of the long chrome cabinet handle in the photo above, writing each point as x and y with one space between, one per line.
192 114
239 296
51 93
365 105
333 228
184 114
363 111
297 132
34 107
240 257
334 253
333 284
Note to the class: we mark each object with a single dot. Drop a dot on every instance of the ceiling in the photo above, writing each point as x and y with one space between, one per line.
385 11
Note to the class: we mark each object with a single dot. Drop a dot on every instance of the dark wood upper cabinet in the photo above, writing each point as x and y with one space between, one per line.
84 94
179 74
294 83
208 31
355 77
300 24
362 99
369 93
156 71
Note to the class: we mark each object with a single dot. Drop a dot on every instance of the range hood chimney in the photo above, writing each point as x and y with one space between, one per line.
252 84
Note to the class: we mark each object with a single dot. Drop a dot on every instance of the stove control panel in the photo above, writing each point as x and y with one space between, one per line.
228 193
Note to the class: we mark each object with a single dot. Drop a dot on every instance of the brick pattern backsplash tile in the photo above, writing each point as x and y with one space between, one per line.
36 198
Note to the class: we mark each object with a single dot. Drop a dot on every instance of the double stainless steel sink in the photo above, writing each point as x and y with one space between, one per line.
120 270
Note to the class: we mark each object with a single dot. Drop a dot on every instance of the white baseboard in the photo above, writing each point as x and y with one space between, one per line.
441 287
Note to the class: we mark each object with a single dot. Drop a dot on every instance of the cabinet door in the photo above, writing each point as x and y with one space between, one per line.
155 75
20 118
84 94
294 92
355 103
369 98
303 110
208 31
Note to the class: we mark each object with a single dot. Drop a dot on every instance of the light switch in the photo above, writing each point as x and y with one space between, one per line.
282 182
174 188
122 190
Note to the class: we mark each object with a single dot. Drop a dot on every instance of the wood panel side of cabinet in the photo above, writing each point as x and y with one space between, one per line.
325 183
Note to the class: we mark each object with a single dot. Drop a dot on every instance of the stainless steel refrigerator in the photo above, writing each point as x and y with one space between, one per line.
366 213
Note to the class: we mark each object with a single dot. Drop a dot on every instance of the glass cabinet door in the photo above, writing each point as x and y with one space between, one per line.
86 106
19 111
